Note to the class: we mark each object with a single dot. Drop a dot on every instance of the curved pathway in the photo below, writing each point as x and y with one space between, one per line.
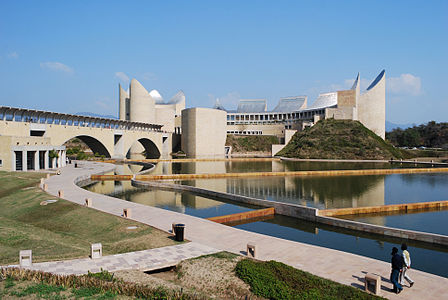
339 266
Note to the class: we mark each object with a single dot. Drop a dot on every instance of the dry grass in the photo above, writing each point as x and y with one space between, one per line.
62 230
211 276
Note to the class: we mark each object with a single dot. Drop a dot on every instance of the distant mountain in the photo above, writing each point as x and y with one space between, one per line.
89 114
390 126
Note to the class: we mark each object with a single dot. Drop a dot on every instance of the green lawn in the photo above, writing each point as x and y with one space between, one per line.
62 230
275 280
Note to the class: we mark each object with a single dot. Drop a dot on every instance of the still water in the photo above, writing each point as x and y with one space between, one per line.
320 192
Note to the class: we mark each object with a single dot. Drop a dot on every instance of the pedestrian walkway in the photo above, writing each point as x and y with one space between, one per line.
342 267
145 260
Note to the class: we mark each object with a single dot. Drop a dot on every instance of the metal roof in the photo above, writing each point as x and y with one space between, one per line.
325 100
289 104
251 106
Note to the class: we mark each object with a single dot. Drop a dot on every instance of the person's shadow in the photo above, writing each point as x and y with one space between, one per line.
362 282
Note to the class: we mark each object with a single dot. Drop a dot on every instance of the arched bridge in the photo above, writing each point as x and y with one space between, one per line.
47 131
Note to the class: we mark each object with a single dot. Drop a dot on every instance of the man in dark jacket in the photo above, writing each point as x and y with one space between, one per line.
397 264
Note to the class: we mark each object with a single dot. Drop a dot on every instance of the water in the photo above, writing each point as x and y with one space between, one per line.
425 258
320 192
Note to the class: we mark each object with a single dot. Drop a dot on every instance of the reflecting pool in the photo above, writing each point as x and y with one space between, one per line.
320 192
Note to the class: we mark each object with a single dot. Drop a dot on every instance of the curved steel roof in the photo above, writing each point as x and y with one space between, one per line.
325 100
251 106
289 104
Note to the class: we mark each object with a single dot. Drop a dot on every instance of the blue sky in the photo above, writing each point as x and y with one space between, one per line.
70 56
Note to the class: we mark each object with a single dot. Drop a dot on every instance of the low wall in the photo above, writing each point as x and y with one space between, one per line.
431 238
286 209
384 208
244 215
295 173
180 160
302 212
86 179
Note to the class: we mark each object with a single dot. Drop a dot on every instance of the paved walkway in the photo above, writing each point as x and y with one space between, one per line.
145 260
336 265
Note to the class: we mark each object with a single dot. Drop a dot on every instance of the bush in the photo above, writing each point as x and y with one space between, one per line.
275 280
81 156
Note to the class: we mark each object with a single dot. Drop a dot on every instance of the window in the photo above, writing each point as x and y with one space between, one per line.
1 162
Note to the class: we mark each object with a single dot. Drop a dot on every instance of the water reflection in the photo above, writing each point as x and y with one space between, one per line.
321 192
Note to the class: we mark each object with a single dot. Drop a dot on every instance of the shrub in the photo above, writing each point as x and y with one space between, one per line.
275 280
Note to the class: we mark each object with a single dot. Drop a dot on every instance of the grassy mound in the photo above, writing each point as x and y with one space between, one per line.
251 143
339 139
275 280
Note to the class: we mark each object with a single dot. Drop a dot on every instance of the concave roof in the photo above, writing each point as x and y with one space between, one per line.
325 100
377 79
179 97
289 104
218 105
251 106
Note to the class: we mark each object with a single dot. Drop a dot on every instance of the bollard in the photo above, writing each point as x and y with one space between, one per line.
372 283
48 175
42 181
88 202
251 250
96 250
45 187
25 258
60 193
126 212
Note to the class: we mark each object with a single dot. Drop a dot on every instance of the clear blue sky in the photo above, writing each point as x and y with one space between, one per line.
69 56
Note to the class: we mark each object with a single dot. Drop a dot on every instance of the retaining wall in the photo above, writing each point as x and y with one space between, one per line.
274 174
433 205
244 215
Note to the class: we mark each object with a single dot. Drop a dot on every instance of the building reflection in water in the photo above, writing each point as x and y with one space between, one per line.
323 192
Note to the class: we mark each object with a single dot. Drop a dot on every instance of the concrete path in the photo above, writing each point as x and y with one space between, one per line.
339 266
145 260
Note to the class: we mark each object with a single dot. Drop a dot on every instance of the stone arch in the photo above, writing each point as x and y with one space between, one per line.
95 145
151 149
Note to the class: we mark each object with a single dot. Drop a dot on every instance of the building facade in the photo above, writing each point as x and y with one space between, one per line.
252 117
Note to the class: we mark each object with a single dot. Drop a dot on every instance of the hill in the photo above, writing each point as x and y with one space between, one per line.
391 126
339 139
251 143
430 135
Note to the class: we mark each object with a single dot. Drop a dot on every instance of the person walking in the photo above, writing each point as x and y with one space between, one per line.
397 264
406 265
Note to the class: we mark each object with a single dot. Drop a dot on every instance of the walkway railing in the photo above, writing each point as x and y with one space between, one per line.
14 114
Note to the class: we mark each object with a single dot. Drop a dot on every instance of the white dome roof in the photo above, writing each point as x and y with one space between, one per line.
156 96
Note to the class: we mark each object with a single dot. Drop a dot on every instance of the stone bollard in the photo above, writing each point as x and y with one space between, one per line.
48 175
372 283
42 181
96 250
251 250
88 202
45 187
172 228
60 193
25 258
126 212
